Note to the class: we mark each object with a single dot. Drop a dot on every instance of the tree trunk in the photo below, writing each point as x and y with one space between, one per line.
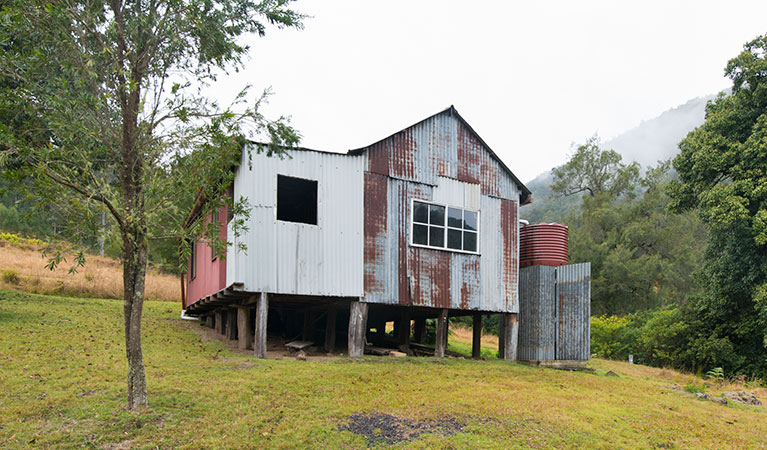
134 277
134 234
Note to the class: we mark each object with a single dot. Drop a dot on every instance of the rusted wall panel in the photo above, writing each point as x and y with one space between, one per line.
469 155
378 158
537 313
441 146
465 281
396 273
573 296
376 232
406 264
510 262
429 275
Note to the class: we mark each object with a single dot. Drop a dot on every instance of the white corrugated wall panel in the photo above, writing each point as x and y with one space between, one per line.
457 193
303 259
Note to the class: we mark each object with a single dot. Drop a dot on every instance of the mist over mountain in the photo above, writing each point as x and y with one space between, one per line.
651 141
657 139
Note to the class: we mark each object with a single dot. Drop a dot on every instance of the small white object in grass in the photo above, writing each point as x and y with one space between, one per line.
185 317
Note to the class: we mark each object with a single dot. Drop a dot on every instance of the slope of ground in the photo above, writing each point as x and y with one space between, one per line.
63 380
23 267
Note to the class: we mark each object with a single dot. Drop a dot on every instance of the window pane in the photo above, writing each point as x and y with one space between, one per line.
469 241
470 220
454 217
420 234
437 236
437 215
420 212
454 239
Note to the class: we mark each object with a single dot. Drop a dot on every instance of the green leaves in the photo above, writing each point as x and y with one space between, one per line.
595 171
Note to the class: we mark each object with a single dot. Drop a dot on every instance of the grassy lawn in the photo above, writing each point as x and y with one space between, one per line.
62 377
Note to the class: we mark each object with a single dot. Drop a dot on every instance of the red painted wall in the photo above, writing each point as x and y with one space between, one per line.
210 276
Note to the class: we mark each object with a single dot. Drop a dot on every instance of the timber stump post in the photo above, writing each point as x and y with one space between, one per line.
259 337
501 337
219 321
476 338
510 333
440 340
307 334
380 336
403 336
330 330
419 329
358 317
244 328
231 324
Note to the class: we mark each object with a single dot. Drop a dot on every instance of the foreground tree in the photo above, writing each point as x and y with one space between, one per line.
723 175
103 108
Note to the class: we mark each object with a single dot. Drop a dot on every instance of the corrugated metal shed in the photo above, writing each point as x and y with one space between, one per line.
555 313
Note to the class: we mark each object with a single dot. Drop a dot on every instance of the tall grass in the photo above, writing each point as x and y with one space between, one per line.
23 268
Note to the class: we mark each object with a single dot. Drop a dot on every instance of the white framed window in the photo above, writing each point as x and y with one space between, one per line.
439 226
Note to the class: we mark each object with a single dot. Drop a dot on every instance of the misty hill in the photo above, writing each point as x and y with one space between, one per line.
657 139
651 141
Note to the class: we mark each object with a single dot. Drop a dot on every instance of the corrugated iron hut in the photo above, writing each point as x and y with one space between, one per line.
422 224
555 299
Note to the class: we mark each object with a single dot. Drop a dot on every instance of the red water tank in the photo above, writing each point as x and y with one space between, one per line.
544 244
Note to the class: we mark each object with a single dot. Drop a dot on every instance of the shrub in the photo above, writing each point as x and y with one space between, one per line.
20 240
660 336
11 277
613 337
694 388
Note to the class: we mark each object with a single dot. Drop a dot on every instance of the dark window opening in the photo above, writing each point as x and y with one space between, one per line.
296 200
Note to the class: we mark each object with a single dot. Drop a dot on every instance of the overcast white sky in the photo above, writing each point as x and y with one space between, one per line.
530 77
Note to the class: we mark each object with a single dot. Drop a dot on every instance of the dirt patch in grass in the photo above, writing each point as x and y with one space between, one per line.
389 429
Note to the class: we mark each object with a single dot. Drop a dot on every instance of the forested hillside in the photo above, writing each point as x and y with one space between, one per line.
653 141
